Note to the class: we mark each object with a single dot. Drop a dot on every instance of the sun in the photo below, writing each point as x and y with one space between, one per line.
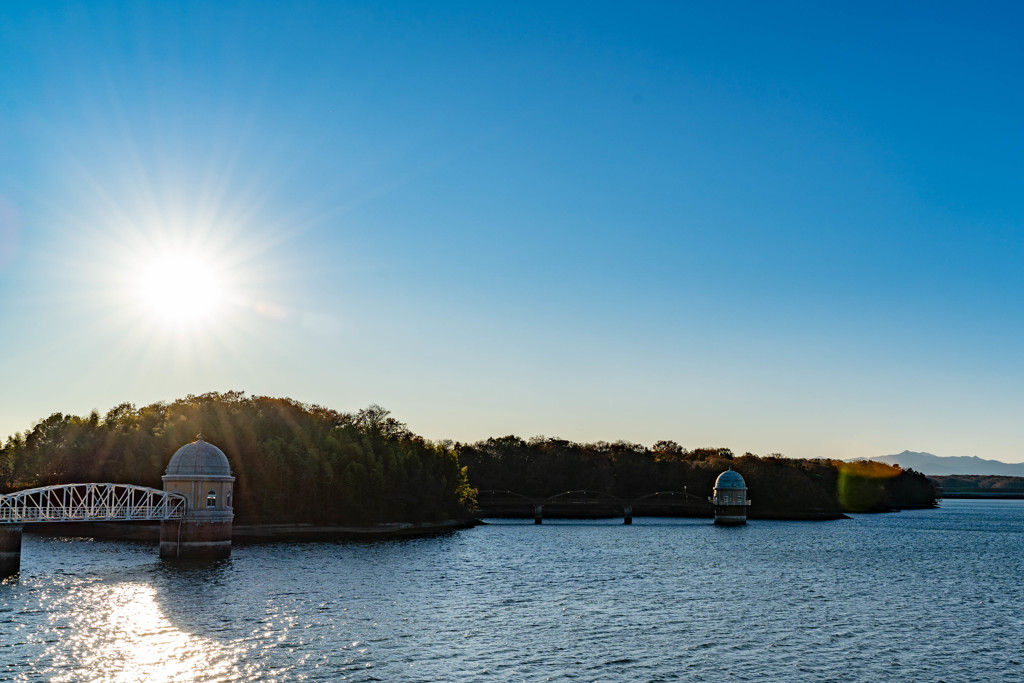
179 288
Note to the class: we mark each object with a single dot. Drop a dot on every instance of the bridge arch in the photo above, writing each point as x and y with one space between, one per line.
679 497
513 494
91 503
589 498
602 496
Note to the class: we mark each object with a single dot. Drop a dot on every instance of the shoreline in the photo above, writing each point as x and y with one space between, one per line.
269 533
254 533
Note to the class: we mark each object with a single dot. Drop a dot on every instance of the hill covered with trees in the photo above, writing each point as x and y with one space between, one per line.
294 463
298 463
979 486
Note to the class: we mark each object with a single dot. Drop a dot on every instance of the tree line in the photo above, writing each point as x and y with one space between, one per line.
299 463
293 463
778 486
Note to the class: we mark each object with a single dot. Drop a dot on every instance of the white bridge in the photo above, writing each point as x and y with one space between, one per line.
91 503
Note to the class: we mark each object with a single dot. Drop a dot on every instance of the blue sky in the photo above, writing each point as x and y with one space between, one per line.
791 227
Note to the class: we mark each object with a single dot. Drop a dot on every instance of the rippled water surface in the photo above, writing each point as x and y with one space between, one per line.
919 595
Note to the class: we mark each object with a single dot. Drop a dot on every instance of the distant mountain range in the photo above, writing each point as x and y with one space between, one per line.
926 463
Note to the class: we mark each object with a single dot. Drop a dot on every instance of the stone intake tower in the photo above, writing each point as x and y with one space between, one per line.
200 471
730 499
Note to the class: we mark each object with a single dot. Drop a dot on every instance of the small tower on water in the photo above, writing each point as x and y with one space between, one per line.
730 499
200 471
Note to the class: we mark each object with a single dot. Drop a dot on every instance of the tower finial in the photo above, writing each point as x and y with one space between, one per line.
199 436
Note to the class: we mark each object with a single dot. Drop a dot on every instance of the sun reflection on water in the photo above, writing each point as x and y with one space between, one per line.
120 633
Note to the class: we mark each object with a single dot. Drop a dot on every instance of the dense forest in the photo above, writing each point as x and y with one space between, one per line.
298 463
292 462
980 482
978 485
778 486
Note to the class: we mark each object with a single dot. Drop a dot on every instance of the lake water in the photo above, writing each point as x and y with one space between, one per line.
929 595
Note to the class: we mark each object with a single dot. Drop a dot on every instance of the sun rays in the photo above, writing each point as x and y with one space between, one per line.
164 291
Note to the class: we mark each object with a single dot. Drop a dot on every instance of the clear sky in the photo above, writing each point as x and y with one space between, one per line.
776 227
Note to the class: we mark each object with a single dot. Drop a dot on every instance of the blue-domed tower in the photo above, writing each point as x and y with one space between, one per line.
200 471
730 499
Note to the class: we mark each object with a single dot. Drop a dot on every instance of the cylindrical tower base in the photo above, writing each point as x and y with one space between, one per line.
730 515
10 549
190 540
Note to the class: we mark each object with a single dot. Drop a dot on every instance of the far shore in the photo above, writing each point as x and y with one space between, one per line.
987 494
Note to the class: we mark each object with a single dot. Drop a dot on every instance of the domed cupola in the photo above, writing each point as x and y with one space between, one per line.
198 459
730 479
730 498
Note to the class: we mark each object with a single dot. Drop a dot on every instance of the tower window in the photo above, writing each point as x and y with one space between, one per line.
211 499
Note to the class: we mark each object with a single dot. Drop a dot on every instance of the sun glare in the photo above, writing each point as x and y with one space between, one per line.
122 634
180 289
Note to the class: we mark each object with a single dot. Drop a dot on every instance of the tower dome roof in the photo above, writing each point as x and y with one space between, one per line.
730 479
198 459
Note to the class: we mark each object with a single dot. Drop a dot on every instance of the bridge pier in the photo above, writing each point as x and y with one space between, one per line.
538 514
627 514
10 549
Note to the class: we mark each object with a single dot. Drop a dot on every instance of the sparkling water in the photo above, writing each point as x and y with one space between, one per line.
923 595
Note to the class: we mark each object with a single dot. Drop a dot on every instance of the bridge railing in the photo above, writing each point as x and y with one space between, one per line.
91 503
